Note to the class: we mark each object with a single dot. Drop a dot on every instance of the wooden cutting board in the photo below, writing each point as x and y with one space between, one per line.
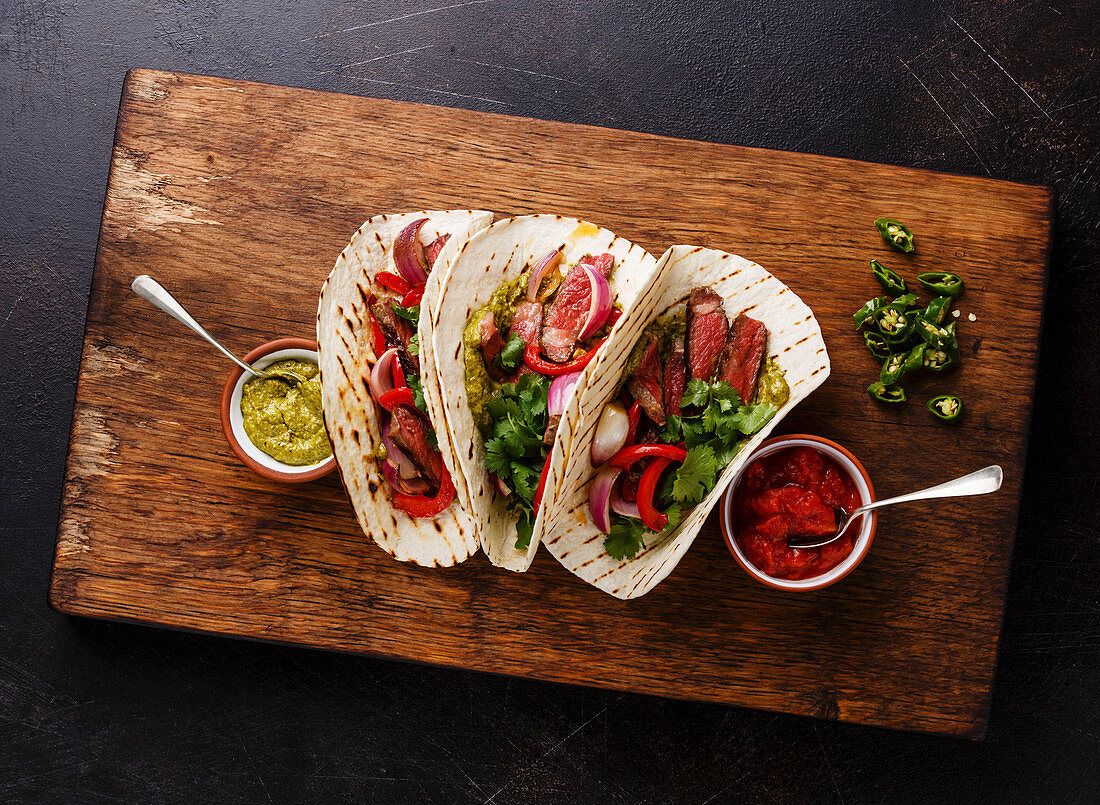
239 197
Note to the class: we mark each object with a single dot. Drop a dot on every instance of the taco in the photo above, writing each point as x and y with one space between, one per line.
683 393
394 459
526 306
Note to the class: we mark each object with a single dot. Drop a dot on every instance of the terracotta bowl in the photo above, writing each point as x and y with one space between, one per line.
848 463
233 426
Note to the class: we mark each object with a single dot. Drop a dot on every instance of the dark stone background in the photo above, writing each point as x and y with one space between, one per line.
94 712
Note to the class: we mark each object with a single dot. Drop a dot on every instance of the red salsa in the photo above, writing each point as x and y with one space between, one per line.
793 491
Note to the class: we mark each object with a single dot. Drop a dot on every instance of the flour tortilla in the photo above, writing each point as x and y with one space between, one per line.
346 354
794 342
491 257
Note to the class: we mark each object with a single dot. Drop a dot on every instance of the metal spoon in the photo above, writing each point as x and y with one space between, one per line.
153 292
981 482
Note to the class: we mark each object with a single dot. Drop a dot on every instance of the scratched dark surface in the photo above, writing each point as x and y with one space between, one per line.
103 712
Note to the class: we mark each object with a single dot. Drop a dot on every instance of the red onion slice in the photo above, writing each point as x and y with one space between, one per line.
499 485
599 308
621 505
408 253
611 433
599 497
560 390
539 272
381 374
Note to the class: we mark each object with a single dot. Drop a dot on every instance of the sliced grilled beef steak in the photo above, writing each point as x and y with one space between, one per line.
675 375
397 331
432 250
707 328
742 356
566 315
645 383
491 342
409 431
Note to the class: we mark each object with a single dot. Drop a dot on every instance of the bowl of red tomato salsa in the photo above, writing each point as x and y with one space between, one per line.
794 485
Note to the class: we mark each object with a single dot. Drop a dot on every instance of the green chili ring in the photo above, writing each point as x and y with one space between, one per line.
897 234
889 279
877 346
943 283
939 358
882 392
937 309
868 309
946 408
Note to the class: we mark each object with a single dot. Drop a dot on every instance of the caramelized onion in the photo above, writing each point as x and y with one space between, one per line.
539 272
611 433
408 253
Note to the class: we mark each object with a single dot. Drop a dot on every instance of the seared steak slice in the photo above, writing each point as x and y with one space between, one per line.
604 263
675 375
707 327
526 323
432 250
409 431
491 342
397 331
566 315
743 355
645 383
551 429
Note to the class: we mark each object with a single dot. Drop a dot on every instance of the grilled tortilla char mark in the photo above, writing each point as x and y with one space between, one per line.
568 311
675 371
742 356
707 329
409 431
397 331
645 383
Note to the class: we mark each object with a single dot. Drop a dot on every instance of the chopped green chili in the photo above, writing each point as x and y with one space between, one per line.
889 279
939 358
895 322
937 309
882 392
935 334
868 309
947 408
943 283
877 346
896 234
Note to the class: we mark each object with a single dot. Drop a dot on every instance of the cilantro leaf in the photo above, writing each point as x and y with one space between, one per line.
525 528
697 393
675 514
674 427
414 344
512 355
515 452
410 313
696 476
626 539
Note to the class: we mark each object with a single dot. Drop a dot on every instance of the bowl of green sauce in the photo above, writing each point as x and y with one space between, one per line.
274 424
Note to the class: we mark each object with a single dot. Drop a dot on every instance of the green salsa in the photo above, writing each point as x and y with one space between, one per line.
771 387
283 418
479 386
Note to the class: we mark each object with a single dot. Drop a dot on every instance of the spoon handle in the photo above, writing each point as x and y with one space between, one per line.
153 292
981 482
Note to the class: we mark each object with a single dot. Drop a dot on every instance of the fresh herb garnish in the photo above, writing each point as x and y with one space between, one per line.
414 344
627 537
409 313
515 451
512 355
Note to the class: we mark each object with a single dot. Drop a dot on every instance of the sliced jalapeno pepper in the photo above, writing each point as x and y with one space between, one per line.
889 279
868 309
877 346
905 301
901 363
882 392
937 309
939 358
896 234
943 283
895 322
936 335
946 408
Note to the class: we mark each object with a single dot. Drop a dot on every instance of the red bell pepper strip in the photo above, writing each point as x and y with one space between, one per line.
647 486
542 480
536 362
377 338
413 297
393 282
395 397
628 455
398 374
634 418
424 506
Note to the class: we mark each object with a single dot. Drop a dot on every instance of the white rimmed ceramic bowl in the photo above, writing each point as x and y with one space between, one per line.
848 463
232 421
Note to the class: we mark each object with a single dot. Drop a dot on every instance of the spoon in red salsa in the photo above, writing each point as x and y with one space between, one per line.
981 482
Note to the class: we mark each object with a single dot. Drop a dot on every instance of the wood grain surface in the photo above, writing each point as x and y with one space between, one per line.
239 196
